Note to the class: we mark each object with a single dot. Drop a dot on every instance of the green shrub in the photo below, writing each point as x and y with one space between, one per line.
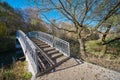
27 75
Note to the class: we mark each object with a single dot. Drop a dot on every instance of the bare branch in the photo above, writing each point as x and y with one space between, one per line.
86 11
58 27
108 15
115 39
73 18
91 4
47 9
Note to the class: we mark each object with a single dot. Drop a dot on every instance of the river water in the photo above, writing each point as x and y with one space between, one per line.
7 58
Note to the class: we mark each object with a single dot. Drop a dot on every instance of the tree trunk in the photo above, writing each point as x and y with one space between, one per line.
82 47
81 44
103 41
106 33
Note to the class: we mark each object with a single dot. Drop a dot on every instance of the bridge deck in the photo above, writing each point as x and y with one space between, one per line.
48 57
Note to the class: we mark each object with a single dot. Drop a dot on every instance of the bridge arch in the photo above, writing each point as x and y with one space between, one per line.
29 51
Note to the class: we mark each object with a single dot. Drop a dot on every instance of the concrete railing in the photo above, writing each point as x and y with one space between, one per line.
61 45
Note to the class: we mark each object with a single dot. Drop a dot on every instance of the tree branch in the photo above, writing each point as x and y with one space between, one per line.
106 32
46 9
108 15
58 27
86 11
73 18
111 41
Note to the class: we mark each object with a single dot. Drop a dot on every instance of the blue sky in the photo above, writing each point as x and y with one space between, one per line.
18 3
26 3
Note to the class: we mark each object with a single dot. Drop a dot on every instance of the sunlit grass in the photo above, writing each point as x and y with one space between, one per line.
96 48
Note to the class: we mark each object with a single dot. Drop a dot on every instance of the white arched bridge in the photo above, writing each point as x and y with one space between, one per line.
43 51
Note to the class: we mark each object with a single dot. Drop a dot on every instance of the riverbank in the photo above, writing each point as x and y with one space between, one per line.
17 71
7 51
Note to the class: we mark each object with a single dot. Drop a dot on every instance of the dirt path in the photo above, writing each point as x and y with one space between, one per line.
75 70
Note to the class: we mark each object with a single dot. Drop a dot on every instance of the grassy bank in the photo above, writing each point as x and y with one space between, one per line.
95 49
10 70
16 72
110 59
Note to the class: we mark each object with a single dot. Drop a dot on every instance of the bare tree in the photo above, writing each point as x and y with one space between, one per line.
82 13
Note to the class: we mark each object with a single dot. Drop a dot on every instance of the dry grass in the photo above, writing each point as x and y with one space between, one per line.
94 47
16 72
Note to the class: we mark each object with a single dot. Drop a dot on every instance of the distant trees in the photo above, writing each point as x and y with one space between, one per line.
10 19
86 15
3 30
31 16
14 19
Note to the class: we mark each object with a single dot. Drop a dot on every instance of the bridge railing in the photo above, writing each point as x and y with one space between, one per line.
61 45
45 37
29 46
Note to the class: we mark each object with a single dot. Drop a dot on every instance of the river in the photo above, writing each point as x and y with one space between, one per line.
7 58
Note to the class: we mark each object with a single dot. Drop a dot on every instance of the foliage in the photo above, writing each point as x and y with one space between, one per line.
15 72
3 29
12 19
7 44
27 75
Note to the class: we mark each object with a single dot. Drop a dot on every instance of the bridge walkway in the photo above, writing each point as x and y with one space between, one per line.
48 57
